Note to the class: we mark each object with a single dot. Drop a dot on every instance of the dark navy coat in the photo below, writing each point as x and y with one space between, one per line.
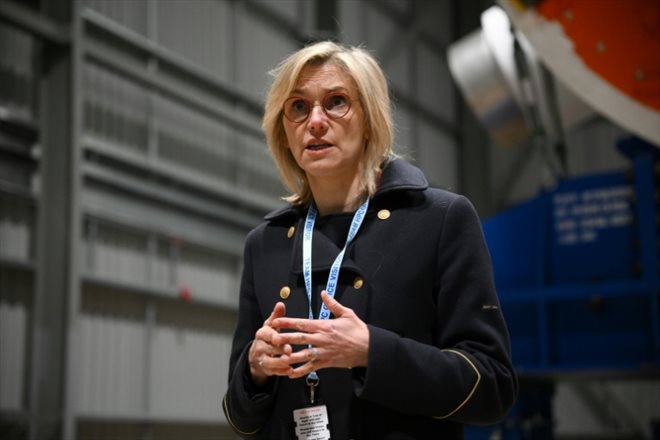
419 274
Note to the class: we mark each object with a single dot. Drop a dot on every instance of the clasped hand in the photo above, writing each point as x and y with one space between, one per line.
342 342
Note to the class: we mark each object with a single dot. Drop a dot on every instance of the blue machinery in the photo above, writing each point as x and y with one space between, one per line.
577 271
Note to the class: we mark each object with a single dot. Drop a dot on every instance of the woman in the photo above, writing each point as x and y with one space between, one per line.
367 307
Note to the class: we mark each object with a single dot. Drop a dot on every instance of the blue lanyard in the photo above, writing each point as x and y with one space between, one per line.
333 277
331 286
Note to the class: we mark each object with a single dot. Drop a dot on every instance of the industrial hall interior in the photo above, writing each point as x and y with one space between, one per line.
133 165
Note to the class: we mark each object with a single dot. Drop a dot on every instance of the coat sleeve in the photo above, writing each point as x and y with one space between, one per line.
466 375
246 406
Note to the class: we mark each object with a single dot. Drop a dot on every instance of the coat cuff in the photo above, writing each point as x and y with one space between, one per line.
246 405
378 355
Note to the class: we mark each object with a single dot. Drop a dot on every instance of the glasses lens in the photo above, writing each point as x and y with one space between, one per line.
296 109
336 105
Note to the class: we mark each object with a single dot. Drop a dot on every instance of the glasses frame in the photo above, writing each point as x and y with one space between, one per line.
319 104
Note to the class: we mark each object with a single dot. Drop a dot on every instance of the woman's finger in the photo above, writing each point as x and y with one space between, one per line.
279 311
333 305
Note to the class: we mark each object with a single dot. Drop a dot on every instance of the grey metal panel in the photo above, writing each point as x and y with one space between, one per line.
115 108
404 133
190 352
296 31
139 49
231 193
405 21
17 82
352 21
13 346
287 9
398 71
437 157
15 305
435 90
111 357
400 7
17 220
122 257
132 14
196 30
150 216
259 48
188 373
192 97
437 25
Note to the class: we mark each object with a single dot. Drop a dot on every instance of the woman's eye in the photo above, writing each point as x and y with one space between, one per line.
334 101
299 106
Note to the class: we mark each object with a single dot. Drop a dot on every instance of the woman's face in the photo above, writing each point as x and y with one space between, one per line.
325 145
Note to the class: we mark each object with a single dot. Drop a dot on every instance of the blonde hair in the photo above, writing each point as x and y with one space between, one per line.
374 99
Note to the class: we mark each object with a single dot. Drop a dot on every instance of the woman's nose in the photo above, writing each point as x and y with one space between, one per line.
318 120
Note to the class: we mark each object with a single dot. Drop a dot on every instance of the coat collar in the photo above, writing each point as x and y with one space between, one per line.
398 175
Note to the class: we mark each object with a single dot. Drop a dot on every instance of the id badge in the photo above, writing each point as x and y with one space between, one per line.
312 423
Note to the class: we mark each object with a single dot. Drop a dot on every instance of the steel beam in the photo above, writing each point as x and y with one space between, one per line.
33 23
50 306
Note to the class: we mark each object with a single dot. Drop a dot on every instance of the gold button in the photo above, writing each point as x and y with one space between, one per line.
358 282
383 214
291 231
285 292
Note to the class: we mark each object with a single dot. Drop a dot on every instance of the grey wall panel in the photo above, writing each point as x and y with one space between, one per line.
111 354
193 141
190 352
17 236
289 10
187 377
111 366
173 268
405 132
398 70
207 275
437 23
115 109
437 157
259 48
198 30
118 255
382 32
153 217
352 21
398 6
435 90
132 14
15 294
17 87
258 171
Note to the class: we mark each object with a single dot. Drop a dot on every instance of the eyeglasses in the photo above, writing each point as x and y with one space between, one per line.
335 105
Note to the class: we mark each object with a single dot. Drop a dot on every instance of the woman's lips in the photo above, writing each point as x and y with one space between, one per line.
318 147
